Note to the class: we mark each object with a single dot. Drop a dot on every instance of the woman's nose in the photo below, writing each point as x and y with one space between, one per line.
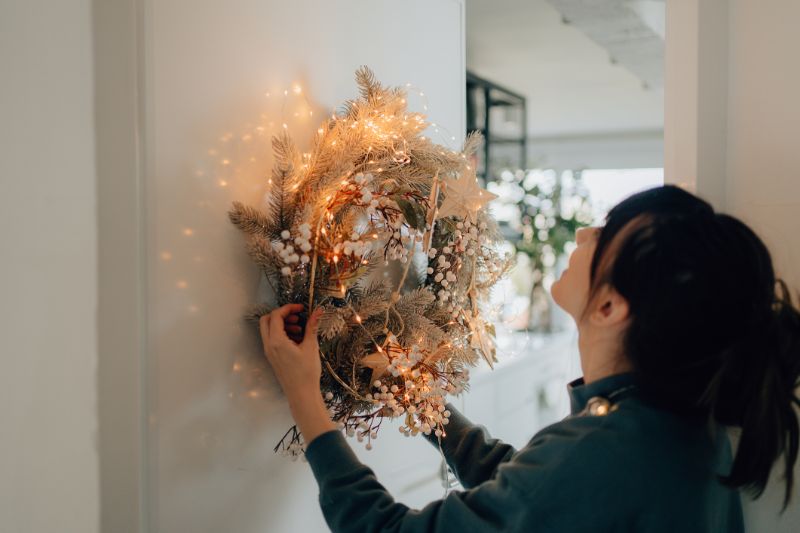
582 233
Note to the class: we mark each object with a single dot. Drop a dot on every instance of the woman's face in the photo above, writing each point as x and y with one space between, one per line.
571 290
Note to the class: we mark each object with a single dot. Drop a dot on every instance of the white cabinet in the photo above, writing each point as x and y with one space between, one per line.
527 391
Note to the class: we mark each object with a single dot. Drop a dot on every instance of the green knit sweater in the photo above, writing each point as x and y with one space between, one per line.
635 468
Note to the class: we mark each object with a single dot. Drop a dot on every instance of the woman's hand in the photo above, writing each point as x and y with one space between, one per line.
297 366
295 360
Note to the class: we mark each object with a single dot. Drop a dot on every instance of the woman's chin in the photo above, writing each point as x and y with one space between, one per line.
554 290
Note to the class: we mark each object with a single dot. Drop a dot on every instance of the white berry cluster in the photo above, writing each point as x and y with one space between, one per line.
364 183
294 451
289 254
467 241
396 232
354 246
398 244
418 393
360 430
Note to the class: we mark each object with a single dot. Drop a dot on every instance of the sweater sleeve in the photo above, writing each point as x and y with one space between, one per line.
471 452
567 478
352 499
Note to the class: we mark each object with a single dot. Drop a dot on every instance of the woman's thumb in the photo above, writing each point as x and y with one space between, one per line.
312 325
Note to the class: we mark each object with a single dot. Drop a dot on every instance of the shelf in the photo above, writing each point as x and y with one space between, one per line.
507 140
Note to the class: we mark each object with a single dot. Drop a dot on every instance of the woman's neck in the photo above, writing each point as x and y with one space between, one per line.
600 357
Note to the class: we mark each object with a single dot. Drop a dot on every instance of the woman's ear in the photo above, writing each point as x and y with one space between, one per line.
611 308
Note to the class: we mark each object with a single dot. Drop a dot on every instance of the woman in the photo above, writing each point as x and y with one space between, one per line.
681 331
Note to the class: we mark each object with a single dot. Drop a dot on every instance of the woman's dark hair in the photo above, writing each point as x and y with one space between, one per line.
712 333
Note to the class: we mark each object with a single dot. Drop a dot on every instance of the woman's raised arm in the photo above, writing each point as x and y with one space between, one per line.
469 449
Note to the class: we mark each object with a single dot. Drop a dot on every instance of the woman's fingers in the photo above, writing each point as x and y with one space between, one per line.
279 315
311 325
282 323
285 310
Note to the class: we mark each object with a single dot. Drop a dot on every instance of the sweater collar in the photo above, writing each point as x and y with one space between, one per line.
580 392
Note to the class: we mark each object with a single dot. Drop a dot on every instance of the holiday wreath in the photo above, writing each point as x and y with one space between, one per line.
390 234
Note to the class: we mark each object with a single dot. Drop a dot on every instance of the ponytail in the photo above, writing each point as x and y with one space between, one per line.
759 394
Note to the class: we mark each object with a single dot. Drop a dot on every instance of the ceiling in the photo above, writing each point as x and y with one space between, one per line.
565 70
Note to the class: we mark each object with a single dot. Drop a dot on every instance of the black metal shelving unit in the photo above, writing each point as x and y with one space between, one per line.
482 96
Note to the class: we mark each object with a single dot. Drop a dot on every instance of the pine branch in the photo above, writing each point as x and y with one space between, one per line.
421 330
331 323
249 219
368 86
285 152
262 254
371 306
281 206
255 312
415 302
471 143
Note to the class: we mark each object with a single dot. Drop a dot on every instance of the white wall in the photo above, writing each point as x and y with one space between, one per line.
48 274
763 185
763 158
214 408
732 117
